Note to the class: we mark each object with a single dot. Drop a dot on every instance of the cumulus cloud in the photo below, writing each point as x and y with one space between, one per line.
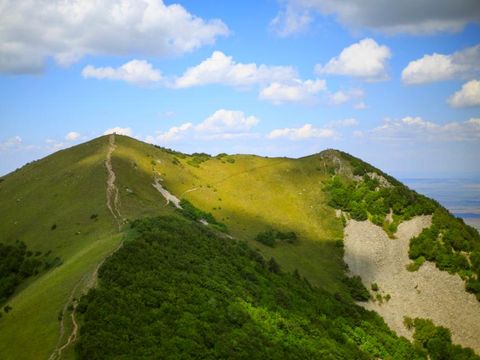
416 128
174 133
222 69
67 30
72 136
138 72
468 95
293 91
277 84
119 131
344 96
392 17
222 124
438 67
366 60
307 131
231 121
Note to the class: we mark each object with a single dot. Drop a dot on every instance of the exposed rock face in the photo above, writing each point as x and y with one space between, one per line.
427 293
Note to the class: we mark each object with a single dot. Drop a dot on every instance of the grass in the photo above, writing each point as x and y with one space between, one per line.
65 189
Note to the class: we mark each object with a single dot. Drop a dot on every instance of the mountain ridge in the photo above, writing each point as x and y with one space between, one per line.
249 194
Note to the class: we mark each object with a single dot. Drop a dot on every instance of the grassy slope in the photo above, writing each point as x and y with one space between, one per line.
258 193
249 195
65 189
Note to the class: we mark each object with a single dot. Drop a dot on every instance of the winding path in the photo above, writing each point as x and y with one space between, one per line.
112 190
90 280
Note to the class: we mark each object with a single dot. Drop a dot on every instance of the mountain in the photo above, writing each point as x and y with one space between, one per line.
74 209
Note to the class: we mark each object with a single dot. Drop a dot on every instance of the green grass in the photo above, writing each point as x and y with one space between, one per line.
65 189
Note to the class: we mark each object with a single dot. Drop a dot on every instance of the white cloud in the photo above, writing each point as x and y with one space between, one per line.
119 131
222 69
67 30
407 16
174 133
138 72
438 67
230 121
222 124
307 131
290 20
365 59
415 128
278 84
344 96
468 95
72 136
293 91
11 143
360 106
54 145
343 123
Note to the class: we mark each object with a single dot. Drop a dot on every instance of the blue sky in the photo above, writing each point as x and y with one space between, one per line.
396 84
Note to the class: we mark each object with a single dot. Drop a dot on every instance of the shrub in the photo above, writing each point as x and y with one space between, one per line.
374 287
266 238
270 237
191 212
357 290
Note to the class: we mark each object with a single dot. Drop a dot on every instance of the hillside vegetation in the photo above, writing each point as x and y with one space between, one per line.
368 193
58 205
177 288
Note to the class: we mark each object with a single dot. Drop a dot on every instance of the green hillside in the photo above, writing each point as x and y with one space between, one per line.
58 206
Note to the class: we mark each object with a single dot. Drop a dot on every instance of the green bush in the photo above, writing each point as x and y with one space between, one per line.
436 340
416 264
357 290
191 212
198 158
271 237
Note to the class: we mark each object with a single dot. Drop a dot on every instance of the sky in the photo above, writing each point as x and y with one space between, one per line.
394 83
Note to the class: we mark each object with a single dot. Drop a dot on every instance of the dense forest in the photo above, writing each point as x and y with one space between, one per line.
450 243
177 290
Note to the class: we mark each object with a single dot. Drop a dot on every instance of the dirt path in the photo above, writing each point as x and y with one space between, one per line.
113 201
58 349
90 280
427 293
